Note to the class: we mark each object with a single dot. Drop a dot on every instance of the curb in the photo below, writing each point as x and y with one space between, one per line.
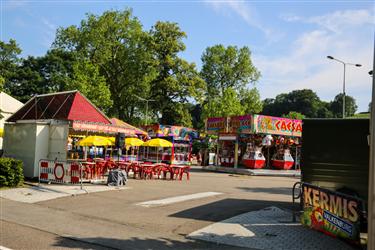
254 172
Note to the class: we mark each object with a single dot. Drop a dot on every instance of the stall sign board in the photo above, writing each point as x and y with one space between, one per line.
177 132
102 128
277 125
332 213
216 124
242 124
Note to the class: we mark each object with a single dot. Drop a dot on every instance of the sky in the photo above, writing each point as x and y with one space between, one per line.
289 40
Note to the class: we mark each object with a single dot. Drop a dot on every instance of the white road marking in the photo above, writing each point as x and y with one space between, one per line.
176 199
4 248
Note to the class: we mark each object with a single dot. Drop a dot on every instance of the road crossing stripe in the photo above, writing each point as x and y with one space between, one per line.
4 248
176 199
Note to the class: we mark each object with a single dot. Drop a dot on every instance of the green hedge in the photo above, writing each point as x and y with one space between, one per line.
11 172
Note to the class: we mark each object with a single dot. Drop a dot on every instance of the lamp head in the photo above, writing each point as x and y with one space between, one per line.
358 65
330 57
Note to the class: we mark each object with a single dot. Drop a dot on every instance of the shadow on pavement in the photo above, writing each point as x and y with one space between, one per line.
137 243
269 190
226 208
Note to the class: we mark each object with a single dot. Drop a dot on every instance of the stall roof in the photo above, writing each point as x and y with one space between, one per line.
69 105
120 123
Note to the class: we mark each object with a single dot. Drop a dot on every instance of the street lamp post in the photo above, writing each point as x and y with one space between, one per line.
344 63
145 100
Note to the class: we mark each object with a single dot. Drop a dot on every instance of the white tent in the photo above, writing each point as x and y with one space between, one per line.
8 106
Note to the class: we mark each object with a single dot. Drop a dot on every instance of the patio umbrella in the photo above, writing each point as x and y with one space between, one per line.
134 142
157 142
94 140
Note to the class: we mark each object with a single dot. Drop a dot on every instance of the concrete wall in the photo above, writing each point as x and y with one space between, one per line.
19 143
58 135
41 145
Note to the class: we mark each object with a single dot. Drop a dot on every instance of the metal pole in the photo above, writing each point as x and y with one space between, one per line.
371 189
80 174
146 112
343 97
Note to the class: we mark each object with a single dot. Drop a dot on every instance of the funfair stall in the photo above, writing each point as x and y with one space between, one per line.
48 127
250 140
180 137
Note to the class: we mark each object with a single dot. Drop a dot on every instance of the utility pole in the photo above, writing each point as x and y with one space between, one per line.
343 85
145 100
371 188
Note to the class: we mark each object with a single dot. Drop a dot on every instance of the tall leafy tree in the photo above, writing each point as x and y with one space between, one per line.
177 81
227 67
114 44
227 105
227 72
40 75
9 60
350 106
303 101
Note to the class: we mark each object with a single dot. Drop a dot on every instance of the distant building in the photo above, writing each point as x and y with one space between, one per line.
8 106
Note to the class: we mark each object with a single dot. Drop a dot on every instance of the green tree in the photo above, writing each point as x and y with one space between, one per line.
227 105
177 80
227 72
88 81
350 106
227 67
9 60
303 101
116 45
41 75
250 101
294 115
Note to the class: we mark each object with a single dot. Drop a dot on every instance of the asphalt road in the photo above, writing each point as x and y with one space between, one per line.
113 220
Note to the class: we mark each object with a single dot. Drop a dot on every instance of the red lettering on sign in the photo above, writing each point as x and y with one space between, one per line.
277 124
283 126
299 127
288 126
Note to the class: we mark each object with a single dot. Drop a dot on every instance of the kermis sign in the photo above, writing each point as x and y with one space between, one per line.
332 213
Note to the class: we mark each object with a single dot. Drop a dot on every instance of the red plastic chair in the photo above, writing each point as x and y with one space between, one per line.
185 170
175 172
165 169
100 169
136 169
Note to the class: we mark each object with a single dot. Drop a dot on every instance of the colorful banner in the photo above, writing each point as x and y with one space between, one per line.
177 132
277 125
241 124
216 124
102 128
333 213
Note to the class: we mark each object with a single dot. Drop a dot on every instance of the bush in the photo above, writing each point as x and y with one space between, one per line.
11 172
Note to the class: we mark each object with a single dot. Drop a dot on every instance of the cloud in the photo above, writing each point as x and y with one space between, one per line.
347 35
243 10
14 4
336 21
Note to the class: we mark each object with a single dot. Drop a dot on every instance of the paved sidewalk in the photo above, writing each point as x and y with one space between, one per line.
269 228
256 172
43 192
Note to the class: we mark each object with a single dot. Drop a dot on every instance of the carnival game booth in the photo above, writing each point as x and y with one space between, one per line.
256 141
181 139
45 132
